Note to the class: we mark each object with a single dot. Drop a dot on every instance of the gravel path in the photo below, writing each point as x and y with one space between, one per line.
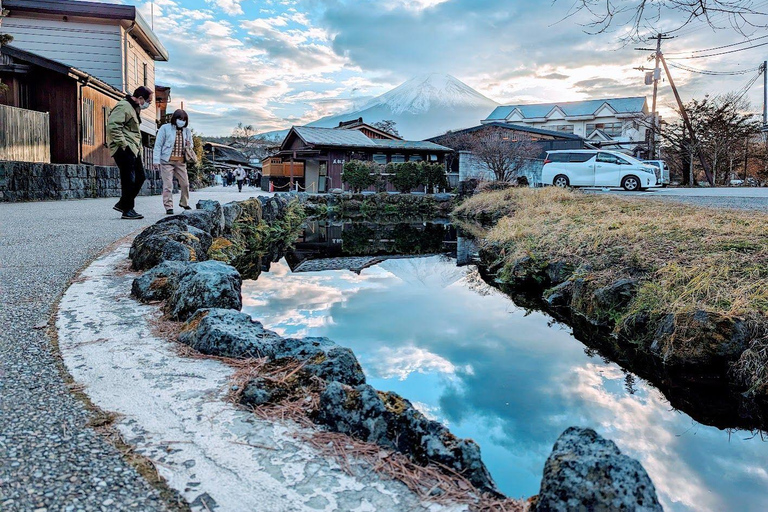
49 458
739 198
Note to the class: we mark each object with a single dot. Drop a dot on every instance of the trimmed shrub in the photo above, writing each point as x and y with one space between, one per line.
360 175
405 176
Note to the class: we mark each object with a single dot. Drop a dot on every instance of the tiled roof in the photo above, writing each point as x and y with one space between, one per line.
570 108
354 138
513 127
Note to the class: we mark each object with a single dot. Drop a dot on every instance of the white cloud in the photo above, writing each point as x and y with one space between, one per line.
231 7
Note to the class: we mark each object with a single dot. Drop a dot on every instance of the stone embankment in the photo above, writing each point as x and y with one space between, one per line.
379 205
27 181
179 256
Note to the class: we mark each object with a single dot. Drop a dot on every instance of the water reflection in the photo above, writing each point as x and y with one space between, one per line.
465 354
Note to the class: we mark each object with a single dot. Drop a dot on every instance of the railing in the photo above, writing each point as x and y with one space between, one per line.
25 135
283 170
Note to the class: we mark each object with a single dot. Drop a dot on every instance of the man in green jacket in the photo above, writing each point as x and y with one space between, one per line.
124 143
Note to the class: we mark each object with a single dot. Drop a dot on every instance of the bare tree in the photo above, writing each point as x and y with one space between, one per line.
503 152
743 16
387 125
725 131
245 138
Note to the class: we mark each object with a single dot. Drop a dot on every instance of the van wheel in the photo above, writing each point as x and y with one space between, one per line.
630 183
561 181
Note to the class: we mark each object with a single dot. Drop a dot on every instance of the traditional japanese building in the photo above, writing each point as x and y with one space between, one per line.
315 157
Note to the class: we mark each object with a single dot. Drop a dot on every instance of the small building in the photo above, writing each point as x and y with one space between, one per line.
225 157
79 104
315 157
615 123
108 42
463 165
162 99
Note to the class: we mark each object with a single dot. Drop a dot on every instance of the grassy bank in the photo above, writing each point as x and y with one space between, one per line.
687 257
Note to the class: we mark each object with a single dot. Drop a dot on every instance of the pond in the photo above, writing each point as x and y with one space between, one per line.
462 352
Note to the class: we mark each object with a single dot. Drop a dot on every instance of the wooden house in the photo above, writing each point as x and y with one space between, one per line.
110 43
322 153
79 104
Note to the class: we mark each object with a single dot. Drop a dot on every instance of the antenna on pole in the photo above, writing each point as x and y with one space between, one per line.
153 16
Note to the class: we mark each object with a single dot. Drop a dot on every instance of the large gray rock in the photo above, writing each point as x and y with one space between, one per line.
204 237
230 212
228 333
166 241
210 284
391 421
201 219
217 213
158 282
700 339
586 472
616 296
273 208
325 359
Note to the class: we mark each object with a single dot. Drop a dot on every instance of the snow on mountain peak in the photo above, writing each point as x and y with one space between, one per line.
423 92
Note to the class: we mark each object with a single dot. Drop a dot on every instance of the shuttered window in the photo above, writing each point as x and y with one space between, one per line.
89 121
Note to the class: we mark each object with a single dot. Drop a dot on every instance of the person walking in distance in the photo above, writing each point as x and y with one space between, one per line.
240 176
171 145
124 144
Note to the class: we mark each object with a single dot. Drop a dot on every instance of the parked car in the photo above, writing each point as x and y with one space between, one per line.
662 177
593 168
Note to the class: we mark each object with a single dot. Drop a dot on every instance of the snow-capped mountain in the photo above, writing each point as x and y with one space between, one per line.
422 107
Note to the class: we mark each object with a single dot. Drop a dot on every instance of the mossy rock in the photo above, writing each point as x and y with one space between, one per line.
223 249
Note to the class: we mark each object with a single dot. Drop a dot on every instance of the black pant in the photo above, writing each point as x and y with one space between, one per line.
131 177
239 185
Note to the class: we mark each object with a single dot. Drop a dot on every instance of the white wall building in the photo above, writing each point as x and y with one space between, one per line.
110 42
605 120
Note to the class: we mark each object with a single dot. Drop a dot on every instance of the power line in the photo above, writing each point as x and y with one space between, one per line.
719 47
719 53
715 73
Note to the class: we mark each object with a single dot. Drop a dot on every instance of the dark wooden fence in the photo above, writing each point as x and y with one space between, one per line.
25 135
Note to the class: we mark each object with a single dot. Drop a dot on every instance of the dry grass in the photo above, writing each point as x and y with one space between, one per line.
686 257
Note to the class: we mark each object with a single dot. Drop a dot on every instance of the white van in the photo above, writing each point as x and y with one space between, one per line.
662 177
596 168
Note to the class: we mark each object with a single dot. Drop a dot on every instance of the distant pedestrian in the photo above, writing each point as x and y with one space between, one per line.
124 144
240 175
171 145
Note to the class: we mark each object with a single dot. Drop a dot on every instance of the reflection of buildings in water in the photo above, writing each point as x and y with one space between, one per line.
466 251
335 245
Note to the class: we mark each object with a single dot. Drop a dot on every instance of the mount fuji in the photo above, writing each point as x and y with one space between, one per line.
424 106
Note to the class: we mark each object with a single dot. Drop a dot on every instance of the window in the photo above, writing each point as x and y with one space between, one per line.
398 159
610 129
146 83
415 158
88 121
565 128
380 158
433 158
557 157
608 158
580 157
23 95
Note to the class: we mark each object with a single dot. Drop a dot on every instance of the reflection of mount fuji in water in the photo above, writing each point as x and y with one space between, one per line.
336 244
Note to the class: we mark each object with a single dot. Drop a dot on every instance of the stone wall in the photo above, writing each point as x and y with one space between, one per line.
26 181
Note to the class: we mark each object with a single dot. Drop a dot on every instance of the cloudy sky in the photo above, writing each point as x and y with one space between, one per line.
273 63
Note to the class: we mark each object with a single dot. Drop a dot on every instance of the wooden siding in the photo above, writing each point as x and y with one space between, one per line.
54 93
276 168
24 135
96 153
137 57
95 48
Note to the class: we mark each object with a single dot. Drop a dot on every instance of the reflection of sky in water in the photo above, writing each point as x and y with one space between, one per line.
466 355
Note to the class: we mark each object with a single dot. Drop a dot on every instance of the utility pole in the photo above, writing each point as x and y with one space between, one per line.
765 95
688 124
656 78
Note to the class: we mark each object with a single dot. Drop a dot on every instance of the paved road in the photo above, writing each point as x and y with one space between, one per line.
742 198
49 459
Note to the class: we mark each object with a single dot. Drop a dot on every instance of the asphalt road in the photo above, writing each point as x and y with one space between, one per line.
49 459
741 198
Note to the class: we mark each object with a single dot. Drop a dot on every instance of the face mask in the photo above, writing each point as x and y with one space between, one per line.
180 123
145 105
